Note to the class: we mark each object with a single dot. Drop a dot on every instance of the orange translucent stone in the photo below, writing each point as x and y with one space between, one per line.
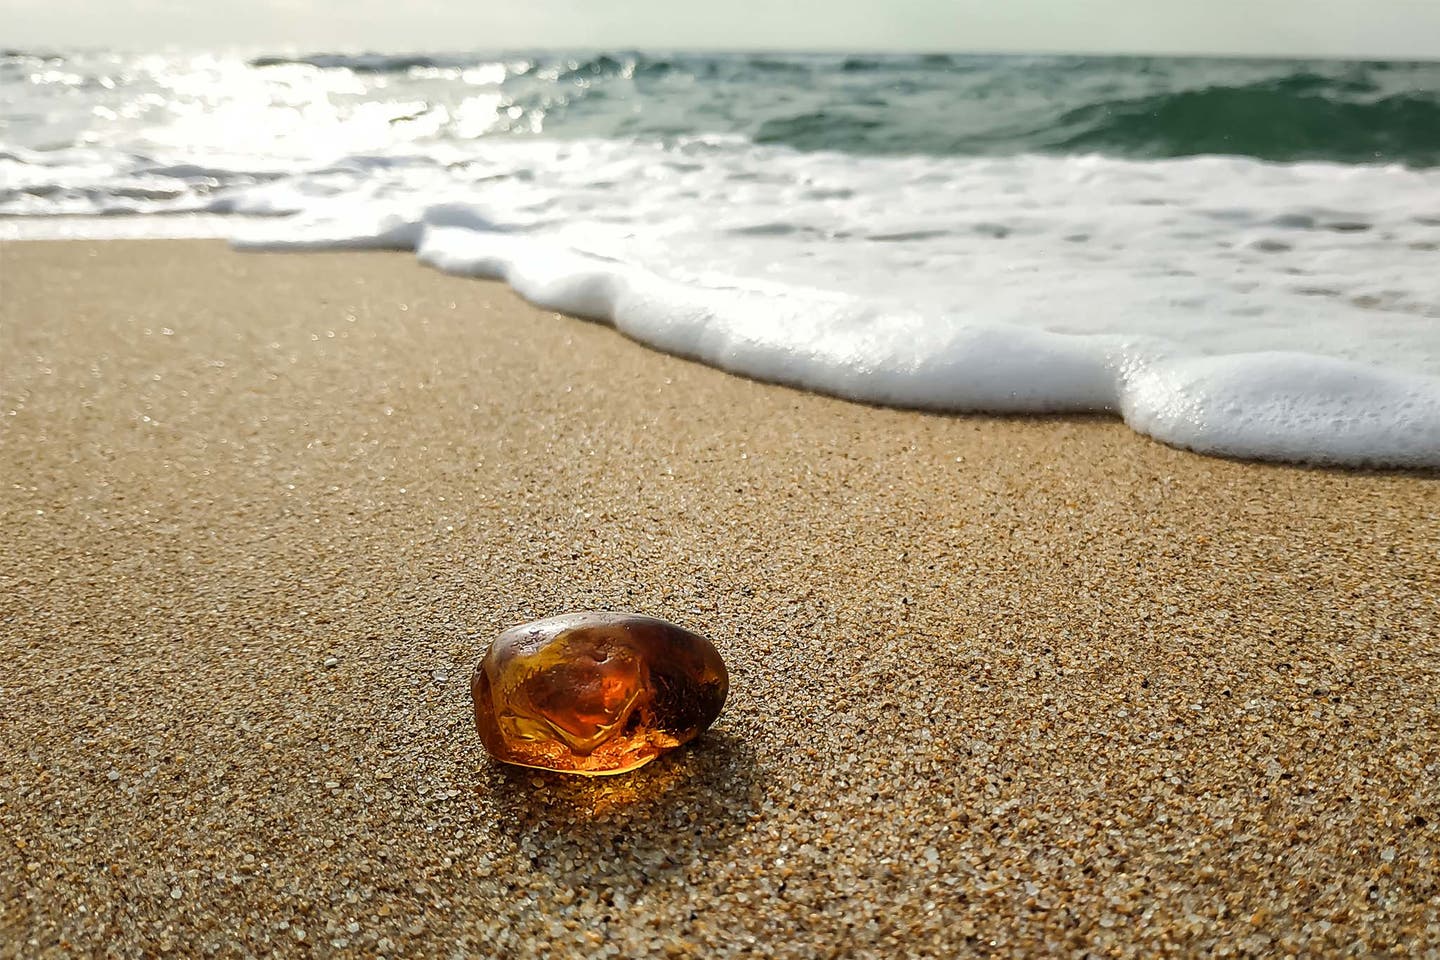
595 693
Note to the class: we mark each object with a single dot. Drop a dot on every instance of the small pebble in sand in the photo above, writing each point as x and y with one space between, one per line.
595 693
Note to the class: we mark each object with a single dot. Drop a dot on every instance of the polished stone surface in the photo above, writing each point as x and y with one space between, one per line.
595 693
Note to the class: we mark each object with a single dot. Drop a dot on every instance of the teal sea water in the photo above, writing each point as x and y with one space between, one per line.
1135 107
1140 107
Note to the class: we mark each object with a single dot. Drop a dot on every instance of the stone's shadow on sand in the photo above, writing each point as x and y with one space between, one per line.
640 826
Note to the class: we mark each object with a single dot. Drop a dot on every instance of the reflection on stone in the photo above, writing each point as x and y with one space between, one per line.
595 693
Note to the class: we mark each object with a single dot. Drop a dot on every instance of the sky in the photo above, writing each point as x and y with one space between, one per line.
1330 28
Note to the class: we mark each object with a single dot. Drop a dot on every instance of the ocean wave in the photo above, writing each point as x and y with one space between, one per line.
1297 116
1220 304
601 66
875 226
1223 304
934 104
367 62
1302 116
41 56
1262 404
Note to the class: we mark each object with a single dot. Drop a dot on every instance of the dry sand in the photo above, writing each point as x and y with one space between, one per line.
1000 686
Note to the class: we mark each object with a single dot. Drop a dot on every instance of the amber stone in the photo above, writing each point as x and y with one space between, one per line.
595 693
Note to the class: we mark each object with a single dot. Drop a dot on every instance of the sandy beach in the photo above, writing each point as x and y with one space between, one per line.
1000 686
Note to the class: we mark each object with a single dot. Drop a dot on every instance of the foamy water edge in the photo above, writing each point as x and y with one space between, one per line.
1264 405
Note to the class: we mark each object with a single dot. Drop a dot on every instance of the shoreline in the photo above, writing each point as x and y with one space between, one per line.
1003 685
1266 404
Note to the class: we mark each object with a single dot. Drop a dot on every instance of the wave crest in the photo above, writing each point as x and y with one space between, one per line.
1294 118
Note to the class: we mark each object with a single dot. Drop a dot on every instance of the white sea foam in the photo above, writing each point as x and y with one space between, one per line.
1229 306
1224 305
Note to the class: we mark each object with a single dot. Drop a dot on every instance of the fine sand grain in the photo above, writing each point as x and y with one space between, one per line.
1001 687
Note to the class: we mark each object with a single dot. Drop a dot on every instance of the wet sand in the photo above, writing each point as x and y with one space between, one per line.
999 686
